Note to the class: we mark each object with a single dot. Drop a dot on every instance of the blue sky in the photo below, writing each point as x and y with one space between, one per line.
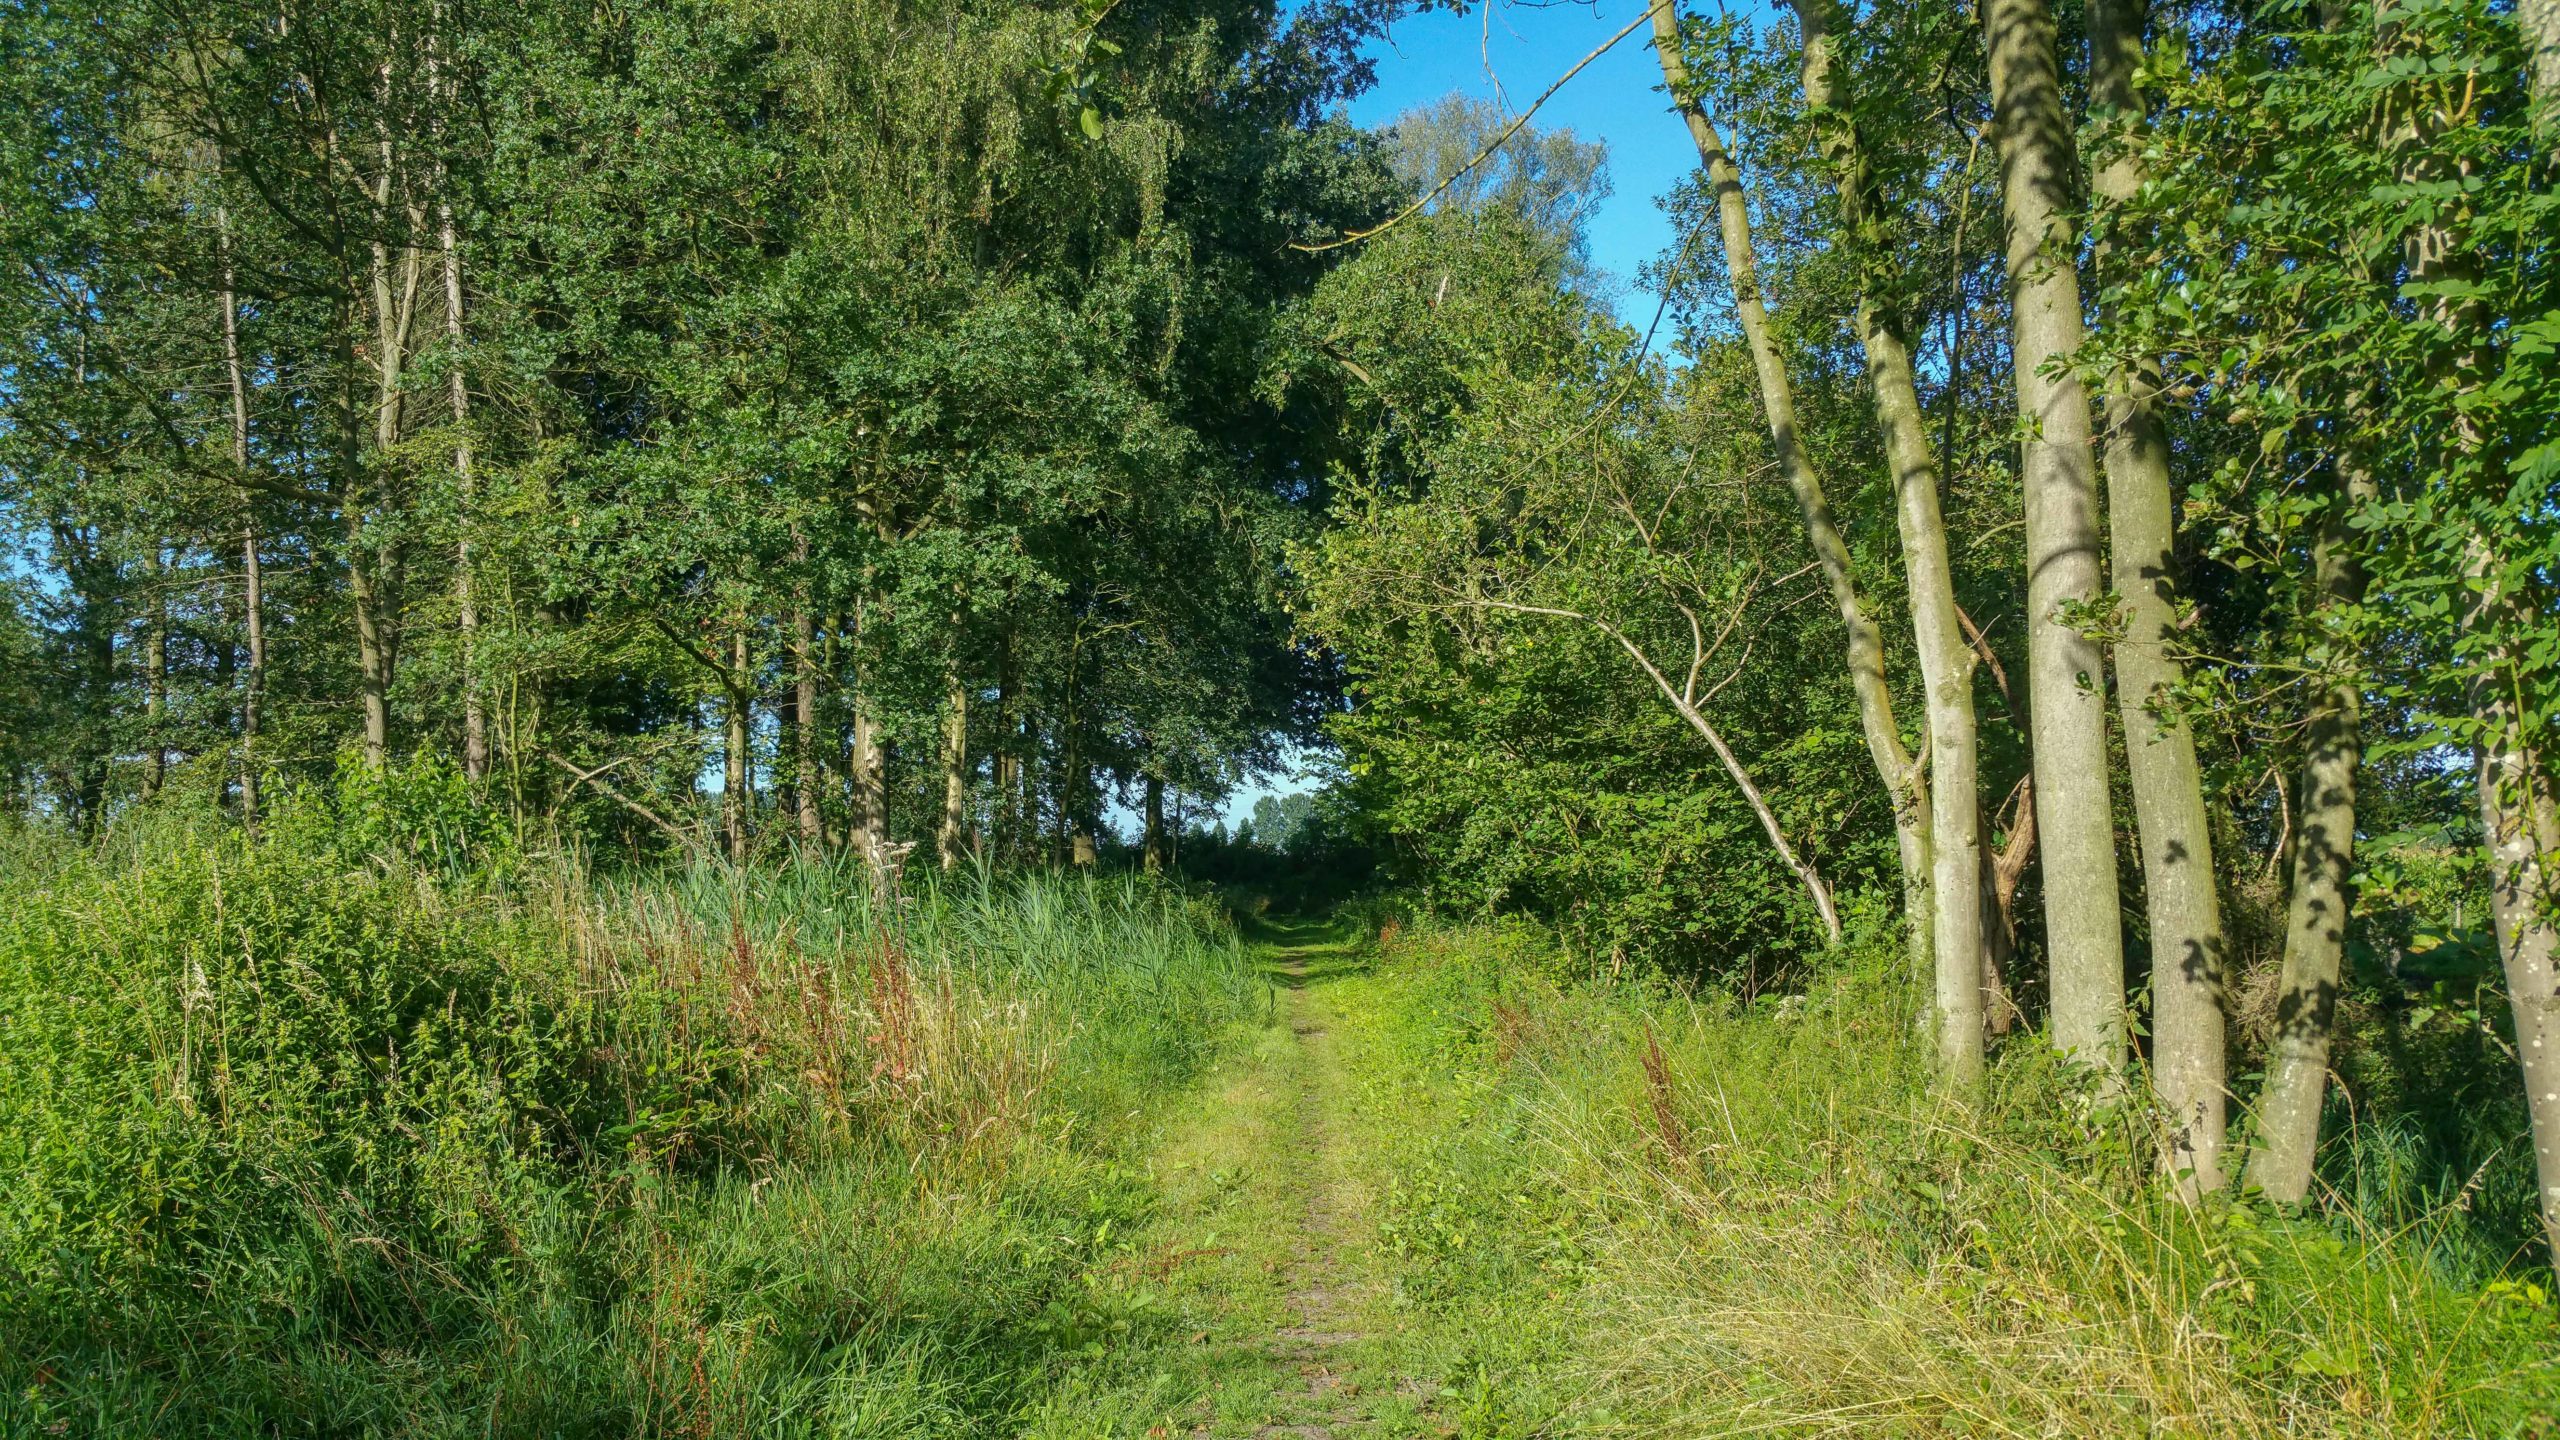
1511 52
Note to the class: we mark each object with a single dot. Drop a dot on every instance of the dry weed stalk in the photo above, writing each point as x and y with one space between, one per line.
1667 1124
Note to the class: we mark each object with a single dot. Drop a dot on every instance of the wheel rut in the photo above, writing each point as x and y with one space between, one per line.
1328 1294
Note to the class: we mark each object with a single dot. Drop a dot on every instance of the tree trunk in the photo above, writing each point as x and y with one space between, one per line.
155 677
737 768
1892 762
1155 853
394 304
2315 931
951 842
810 778
2188 947
253 686
2002 870
865 768
373 656
2516 804
867 777
2540 21
475 715
96 630
475 718
2523 825
2066 699
1946 661
253 599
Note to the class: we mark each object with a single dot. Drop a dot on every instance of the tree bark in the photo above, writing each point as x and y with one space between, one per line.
2315 931
2188 947
155 677
737 770
475 715
865 767
2002 869
373 655
1155 852
951 841
810 776
253 600
1901 779
2540 21
2523 826
867 777
2066 699
394 291
1008 755
2516 804
1946 661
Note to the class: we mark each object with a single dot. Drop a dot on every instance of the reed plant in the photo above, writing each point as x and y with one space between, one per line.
389 1121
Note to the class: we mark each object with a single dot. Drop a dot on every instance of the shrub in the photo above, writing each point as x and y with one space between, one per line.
384 1122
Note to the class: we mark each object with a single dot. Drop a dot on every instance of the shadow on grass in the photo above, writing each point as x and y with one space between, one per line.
1296 951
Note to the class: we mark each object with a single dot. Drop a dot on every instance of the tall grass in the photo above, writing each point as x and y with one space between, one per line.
340 1132
1775 1228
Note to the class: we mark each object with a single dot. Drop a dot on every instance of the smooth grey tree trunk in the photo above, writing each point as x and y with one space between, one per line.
2189 950
2515 800
466 595
864 777
2523 825
253 685
2315 930
2518 814
2066 687
1901 778
951 841
866 765
2540 21
253 598
395 299
809 776
1946 661
373 655
2521 835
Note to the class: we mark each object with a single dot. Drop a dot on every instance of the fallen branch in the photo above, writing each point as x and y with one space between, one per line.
605 788
1688 709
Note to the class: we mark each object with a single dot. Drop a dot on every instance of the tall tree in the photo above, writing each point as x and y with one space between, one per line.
2066 693
1901 777
1956 869
2179 886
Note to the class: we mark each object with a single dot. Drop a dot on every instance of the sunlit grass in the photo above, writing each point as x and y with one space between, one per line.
1772 1227
309 1139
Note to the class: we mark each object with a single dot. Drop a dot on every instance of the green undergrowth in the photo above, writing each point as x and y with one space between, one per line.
387 1124
1619 1208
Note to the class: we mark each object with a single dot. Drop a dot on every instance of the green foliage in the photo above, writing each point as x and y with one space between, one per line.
1528 501
616 352
2347 252
303 1134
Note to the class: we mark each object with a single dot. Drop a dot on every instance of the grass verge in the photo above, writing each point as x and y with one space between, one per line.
382 1126
1618 1209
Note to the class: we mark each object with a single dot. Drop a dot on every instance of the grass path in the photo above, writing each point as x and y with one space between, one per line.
1332 1340
1265 1241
